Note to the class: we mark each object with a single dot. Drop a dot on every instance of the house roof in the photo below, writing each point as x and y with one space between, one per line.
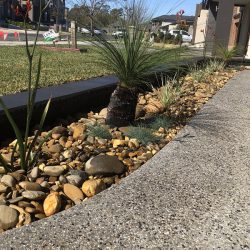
172 18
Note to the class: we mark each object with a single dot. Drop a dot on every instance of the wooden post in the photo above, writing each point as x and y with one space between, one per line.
73 34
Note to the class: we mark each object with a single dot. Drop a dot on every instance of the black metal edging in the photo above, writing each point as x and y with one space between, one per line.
66 99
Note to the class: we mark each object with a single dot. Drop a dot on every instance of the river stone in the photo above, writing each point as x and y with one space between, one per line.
15 200
93 187
81 173
8 180
8 217
52 204
2 170
79 130
31 186
35 172
104 165
56 148
53 170
3 188
72 192
59 130
33 195
75 180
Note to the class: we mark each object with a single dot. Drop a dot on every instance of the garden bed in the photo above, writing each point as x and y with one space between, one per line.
85 157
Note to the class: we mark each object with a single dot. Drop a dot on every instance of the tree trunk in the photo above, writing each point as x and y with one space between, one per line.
122 107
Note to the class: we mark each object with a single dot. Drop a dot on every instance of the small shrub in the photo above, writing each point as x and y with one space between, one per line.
161 122
143 135
99 131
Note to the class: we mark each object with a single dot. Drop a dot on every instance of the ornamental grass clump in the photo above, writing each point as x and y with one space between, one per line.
197 73
99 131
169 91
161 122
27 150
133 61
214 65
143 135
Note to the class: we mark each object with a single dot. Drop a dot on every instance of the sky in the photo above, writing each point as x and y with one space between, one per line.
162 7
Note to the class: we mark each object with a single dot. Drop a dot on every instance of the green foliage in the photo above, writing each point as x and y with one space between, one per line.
169 91
27 150
226 54
161 122
21 24
131 59
99 131
143 135
197 73
214 65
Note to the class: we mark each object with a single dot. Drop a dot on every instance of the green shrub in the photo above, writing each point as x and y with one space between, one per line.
99 131
143 135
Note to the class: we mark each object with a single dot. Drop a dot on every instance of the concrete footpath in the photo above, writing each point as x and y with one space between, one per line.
194 194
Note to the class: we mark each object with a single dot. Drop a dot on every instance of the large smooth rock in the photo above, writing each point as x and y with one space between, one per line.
104 165
53 170
8 217
33 195
72 192
52 204
93 187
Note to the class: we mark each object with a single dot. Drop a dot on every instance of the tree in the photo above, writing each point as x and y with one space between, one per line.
132 61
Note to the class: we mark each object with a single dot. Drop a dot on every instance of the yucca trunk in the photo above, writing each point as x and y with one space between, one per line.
122 107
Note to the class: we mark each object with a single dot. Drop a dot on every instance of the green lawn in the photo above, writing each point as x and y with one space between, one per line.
57 68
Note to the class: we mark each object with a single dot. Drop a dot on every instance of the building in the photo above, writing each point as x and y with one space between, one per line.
55 12
223 23
168 22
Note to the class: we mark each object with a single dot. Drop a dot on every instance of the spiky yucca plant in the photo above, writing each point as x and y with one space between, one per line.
132 61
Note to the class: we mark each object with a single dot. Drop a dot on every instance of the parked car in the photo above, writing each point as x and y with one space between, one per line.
118 33
185 36
85 31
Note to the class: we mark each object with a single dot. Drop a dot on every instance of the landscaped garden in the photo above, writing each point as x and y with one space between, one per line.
45 172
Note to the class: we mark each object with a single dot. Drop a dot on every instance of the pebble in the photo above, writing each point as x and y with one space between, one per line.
72 192
8 217
33 195
8 180
53 170
35 172
56 148
52 204
3 188
15 200
31 186
75 180
79 130
93 187
2 170
104 165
